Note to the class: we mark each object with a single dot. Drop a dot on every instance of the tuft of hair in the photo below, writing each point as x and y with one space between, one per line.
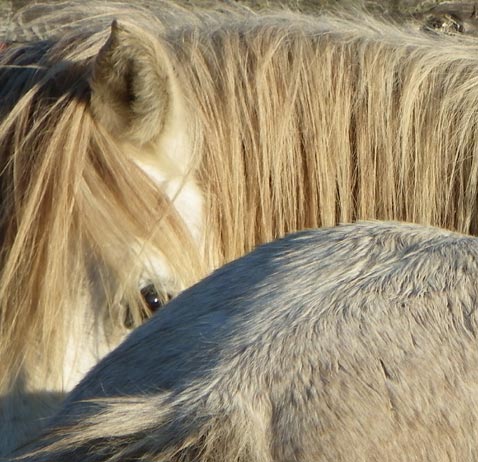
165 429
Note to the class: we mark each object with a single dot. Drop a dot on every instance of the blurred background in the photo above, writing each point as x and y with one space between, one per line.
445 16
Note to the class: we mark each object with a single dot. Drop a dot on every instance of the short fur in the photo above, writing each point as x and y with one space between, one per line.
271 122
351 343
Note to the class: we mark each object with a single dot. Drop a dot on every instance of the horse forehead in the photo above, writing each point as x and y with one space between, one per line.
180 187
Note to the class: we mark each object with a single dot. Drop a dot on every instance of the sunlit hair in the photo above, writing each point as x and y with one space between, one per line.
298 122
71 200
309 122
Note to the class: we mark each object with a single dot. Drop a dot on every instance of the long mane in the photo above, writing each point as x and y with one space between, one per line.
300 122
71 200
316 121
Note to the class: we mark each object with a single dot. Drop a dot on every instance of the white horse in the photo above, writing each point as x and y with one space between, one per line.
162 147
91 233
350 343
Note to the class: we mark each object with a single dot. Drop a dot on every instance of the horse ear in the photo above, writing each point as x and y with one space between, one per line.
131 85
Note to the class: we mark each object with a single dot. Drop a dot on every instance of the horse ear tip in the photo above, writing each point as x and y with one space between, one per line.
118 31
117 27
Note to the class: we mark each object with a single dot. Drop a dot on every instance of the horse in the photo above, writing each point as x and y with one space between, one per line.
145 146
356 342
88 234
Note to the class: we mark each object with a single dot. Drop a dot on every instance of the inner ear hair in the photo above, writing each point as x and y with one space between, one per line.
131 90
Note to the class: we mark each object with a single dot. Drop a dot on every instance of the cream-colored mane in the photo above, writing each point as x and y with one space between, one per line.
310 121
82 226
283 121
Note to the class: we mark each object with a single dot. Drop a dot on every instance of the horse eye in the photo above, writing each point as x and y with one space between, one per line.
152 298
154 302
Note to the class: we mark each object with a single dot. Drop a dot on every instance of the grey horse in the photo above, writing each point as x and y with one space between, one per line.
352 343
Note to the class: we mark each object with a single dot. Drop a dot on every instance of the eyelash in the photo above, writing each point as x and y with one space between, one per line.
153 300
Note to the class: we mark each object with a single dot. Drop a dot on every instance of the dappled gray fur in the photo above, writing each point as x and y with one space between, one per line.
354 343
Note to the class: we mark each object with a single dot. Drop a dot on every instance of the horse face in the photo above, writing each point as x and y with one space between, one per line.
133 104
